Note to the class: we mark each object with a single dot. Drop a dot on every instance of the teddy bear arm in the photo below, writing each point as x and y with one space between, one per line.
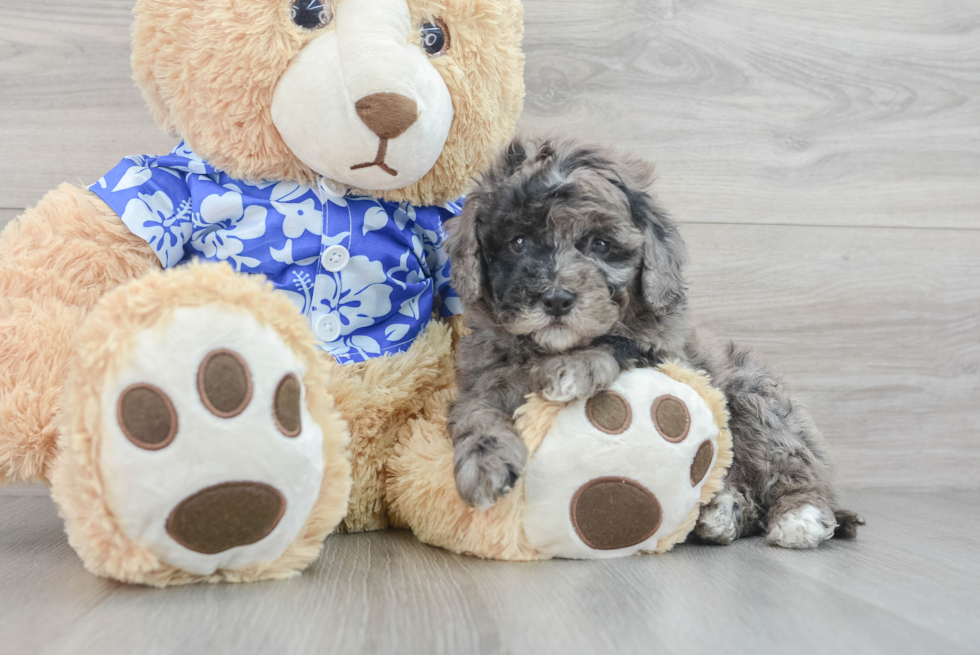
56 261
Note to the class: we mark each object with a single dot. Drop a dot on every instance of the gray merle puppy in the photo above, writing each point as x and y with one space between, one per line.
569 274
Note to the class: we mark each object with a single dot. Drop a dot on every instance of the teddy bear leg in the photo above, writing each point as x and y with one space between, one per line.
197 440
377 398
56 261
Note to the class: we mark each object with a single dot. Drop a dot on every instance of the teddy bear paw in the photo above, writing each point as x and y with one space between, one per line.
211 458
621 471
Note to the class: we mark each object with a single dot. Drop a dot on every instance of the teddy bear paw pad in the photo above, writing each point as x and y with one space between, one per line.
622 470
211 458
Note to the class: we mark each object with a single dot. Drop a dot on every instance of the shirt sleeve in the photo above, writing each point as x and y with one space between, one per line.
445 300
153 201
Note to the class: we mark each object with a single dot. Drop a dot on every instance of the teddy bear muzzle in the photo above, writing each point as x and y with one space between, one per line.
362 104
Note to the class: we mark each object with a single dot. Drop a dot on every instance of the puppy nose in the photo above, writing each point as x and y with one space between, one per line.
387 114
558 302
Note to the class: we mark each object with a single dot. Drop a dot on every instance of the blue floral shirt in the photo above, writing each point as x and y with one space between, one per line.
367 274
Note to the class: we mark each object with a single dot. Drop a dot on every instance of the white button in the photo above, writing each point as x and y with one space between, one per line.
332 188
327 328
335 258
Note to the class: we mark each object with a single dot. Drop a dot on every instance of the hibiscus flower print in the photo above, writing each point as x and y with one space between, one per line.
359 294
154 219
223 224
299 216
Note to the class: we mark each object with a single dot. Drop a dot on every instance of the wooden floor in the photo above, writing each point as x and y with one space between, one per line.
910 584
824 161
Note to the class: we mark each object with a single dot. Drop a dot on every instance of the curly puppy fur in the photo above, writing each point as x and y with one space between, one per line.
569 274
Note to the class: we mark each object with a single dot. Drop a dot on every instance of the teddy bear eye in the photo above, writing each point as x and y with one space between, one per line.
435 37
311 14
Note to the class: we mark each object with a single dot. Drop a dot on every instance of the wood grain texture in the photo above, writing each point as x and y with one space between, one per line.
774 111
69 109
894 590
877 330
7 215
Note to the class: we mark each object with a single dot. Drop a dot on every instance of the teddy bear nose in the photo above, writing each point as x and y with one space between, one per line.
387 114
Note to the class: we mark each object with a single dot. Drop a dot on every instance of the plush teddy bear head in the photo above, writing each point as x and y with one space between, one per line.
404 99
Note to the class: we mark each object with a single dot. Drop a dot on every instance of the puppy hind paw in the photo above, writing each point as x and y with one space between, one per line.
802 527
487 469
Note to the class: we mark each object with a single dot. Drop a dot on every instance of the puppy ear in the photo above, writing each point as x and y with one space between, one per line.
463 246
664 252
464 253
664 258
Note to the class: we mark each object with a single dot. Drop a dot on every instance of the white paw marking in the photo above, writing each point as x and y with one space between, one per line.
717 522
803 527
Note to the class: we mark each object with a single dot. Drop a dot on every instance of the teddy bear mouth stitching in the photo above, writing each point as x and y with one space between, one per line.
379 160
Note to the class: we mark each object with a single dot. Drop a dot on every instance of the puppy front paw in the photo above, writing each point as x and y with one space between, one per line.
564 378
487 467
719 520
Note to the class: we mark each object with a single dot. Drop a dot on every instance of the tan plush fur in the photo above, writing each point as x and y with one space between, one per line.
378 397
422 494
230 124
56 261
104 344
422 491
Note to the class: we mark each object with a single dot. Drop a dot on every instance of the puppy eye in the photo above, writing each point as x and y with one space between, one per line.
600 246
435 38
518 245
311 14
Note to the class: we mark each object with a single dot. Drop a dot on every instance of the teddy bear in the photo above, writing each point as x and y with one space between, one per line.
209 353
219 356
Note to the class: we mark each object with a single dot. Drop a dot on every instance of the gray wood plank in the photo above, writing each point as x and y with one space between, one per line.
43 587
915 559
69 110
774 111
877 330
384 592
24 489
7 215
